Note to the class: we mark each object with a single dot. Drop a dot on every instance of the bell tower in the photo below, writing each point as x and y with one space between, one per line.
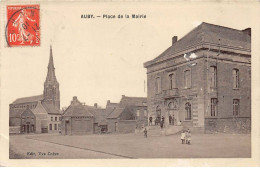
51 88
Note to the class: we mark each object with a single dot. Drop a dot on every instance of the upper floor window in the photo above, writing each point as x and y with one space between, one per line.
213 107
145 113
187 79
137 113
235 76
158 85
188 111
50 126
213 76
172 81
51 118
56 119
236 107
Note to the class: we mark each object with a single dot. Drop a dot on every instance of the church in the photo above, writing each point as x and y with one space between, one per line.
41 113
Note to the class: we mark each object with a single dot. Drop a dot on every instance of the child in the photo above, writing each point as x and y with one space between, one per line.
145 132
182 137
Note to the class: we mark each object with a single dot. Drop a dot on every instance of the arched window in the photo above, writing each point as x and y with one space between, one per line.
213 76
170 106
235 76
188 111
172 81
158 111
187 79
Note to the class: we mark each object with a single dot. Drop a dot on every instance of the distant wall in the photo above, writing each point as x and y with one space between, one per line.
228 125
126 126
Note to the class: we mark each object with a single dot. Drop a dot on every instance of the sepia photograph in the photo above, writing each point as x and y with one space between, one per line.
147 81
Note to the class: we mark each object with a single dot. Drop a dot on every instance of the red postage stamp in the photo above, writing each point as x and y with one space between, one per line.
23 25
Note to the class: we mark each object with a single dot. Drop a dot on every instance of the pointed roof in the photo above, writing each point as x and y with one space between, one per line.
206 33
51 69
39 109
76 108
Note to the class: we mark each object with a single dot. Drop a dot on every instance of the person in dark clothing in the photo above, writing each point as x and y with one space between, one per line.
170 119
162 122
145 132
150 120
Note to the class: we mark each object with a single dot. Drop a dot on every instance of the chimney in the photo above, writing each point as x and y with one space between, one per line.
123 96
95 105
74 99
247 31
108 101
174 39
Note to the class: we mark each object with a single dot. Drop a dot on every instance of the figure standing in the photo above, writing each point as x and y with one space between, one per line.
183 137
150 120
188 137
145 132
170 119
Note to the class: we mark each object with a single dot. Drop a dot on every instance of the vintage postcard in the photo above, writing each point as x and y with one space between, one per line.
140 83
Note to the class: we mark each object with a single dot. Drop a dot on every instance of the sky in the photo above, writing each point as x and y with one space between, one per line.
102 59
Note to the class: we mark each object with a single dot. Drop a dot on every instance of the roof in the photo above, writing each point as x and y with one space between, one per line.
51 109
28 99
135 101
39 109
115 113
99 115
210 33
16 112
77 109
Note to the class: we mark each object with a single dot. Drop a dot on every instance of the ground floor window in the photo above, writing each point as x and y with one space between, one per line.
50 126
213 107
55 126
236 107
188 111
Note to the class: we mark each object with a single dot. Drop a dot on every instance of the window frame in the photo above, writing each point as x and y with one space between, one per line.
235 78
213 75
187 82
188 115
236 107
158 85
213 103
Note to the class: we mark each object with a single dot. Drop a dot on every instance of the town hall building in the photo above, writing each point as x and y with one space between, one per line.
41 113
203 80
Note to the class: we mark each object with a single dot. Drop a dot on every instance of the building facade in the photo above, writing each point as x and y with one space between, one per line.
203 80
45 108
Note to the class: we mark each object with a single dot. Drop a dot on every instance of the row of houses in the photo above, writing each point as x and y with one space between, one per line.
123 117
203 81
42 113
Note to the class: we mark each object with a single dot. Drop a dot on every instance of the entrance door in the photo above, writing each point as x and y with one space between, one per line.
66 127
27 128
115 126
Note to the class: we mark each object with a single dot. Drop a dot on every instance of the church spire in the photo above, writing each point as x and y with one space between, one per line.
51 69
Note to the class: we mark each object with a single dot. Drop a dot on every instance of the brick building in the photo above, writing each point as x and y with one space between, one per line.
204 80
44 109
77 120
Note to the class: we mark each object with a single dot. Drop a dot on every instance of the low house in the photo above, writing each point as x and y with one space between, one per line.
127 115
77 120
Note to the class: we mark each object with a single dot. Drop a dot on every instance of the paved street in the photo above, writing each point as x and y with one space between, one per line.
132 146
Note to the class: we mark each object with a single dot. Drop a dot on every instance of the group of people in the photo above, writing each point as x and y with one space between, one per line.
186 137
157 121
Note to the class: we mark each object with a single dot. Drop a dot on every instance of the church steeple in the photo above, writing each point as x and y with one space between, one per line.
51 69
51 88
